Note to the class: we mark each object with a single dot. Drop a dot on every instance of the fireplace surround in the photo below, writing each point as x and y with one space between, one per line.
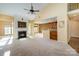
22 34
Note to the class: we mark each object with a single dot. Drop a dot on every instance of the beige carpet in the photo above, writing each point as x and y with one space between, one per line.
40 47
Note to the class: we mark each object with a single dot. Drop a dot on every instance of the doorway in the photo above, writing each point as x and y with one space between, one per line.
74 32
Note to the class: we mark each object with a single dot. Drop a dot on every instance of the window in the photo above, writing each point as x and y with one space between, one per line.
8 30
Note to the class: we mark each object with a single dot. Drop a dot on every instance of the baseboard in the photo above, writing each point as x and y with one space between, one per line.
74 36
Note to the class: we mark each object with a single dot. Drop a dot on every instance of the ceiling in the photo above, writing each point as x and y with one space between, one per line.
17 9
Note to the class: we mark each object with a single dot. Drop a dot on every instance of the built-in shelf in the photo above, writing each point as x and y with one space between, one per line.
21 24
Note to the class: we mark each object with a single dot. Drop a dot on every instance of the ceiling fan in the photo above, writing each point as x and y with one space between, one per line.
32 11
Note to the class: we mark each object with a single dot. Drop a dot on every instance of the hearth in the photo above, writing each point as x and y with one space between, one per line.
22 34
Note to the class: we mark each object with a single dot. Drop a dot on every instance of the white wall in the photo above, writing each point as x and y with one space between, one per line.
74 28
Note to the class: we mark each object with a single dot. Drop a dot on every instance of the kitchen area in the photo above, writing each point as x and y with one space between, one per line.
48 28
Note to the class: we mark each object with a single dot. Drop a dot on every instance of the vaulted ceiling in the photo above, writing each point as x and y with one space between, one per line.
17 9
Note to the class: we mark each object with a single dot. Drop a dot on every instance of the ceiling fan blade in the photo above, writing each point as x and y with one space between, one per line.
36 10
26 9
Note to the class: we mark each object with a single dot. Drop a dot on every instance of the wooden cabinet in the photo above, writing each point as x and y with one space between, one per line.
52 27
53 35
46 26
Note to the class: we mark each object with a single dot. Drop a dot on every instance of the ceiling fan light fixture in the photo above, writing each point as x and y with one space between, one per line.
32 13
31 16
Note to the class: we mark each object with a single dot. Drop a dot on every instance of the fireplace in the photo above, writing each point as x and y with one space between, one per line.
22 34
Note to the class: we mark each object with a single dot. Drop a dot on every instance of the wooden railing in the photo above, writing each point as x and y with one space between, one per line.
73 6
